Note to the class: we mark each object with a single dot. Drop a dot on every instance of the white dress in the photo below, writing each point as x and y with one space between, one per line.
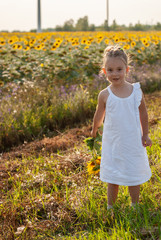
124 159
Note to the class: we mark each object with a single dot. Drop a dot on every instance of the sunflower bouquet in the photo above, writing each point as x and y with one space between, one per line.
94 146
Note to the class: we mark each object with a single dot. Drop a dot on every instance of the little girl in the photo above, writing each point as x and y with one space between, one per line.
122 107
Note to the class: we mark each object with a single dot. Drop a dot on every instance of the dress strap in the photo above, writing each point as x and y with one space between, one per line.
136 85
109 89
138 93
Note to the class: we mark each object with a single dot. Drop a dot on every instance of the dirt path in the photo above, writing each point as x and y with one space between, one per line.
49 145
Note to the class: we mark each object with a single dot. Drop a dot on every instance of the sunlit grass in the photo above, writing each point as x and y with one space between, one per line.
52 196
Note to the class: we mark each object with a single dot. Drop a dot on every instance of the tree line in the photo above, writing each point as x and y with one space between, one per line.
83 25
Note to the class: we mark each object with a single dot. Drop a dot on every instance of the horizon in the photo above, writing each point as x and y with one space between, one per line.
43 29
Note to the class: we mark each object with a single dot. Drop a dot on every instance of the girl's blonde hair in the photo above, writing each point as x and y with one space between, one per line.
115 51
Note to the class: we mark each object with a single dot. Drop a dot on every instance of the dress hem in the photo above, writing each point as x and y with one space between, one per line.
125 184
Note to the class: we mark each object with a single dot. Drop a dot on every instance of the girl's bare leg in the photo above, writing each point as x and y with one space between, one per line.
112 193
134 193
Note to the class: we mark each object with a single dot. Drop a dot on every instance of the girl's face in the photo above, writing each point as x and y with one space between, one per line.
116 70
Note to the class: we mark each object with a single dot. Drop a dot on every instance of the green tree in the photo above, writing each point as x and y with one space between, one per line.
114 26
82 24
105 26
58 28
92 27
138 27
157 26
69 25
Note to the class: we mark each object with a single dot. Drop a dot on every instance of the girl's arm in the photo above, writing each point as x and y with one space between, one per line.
99 114
146 141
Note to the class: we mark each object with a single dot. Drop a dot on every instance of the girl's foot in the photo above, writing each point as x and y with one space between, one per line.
135 205
109 207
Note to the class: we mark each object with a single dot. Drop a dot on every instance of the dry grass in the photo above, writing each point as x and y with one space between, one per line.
46 192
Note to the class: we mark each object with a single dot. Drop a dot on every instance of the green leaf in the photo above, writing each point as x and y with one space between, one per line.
90 142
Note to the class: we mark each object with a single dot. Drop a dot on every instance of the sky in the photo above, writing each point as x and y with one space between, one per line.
22 14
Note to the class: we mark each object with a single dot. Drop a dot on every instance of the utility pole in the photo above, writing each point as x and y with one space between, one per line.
107 12
39 16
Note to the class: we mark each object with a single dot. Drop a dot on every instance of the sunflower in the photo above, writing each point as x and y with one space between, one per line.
27 48
90 166
38 47
83 41
32 42
25 42
144 40
126 47
107 41
56 44
98 160
15 46
93 166
146 44
1 83
2 42
156 42
74 43
133 44
116 40
88 42
11 41
53 48
19 46
59 40
99 40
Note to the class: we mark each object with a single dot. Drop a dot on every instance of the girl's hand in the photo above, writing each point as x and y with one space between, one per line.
93 133
146 141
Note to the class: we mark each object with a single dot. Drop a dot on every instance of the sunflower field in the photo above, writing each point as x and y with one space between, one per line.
51 80
35 56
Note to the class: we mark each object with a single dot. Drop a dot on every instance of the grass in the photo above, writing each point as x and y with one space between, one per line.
32 110
51 195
